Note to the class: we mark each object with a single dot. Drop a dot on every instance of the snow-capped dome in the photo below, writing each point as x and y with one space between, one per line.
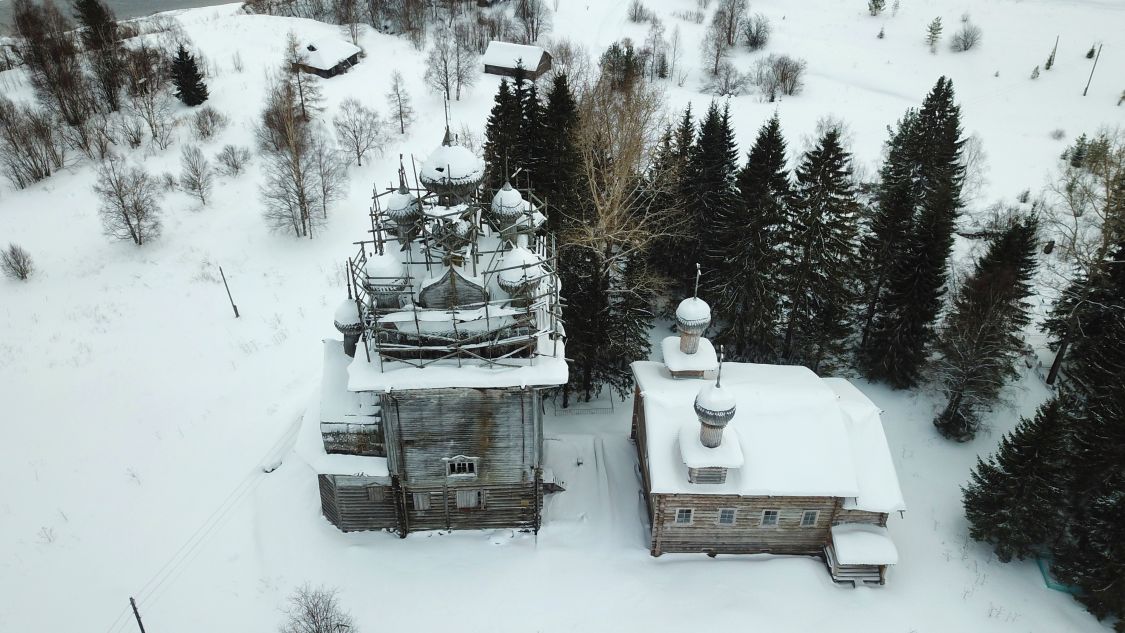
400 205
519 265
693 309
451 168
508 205
384 268
714 397
347 316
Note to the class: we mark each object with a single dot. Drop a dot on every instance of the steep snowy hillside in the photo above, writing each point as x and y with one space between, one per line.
138 416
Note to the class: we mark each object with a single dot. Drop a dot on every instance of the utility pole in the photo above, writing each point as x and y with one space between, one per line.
136 613
1092 70
231 303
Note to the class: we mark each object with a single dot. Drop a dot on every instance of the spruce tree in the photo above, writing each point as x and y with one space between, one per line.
628 322
190 88
980 340
585 309
558 180
902 324
532 135
712 170
752 285
1092 556
1016 499
500 136
673 255
819 269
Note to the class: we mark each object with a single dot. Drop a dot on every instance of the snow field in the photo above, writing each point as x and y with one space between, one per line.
136 414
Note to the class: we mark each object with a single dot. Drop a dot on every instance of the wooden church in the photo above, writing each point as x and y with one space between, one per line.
741 458
430 415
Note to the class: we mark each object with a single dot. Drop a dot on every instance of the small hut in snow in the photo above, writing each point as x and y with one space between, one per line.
502 58
329 57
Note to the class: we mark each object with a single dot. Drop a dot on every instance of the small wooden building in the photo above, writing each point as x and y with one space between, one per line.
775 460
430 408
503 58
328 57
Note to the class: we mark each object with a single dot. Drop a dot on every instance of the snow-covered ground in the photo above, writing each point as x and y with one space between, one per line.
136 414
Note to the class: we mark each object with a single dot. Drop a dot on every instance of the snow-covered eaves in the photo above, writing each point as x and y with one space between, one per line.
509 55
863 544
337 404
704 358
879 489
325 53
548 369
310 448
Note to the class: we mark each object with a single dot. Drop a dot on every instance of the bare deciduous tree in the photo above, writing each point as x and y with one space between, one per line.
147 94
316 610
449 67
534 17
232 160
358 128
306 87
130 200
714 48
196 176
31 144
207 122
331 174
16 262
50 52
779 75
756 31
398 100
729 17
727 82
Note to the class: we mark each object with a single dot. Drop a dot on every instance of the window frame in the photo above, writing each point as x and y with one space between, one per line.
690 516
815 518
376 493
733 516
471 465
776 518
428 501
479 497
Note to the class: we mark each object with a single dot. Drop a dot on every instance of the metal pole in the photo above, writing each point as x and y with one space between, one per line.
136 613
1099 55
228 292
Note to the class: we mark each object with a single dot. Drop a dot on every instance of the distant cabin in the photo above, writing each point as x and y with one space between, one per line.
502 58
329 57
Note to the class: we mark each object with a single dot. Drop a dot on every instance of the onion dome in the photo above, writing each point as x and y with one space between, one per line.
715 406
507 206
519 270
348 319
693 315
401 207
452 170
384 278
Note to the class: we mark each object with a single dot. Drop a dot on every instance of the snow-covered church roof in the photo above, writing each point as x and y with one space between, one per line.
326 52
509 55
800 435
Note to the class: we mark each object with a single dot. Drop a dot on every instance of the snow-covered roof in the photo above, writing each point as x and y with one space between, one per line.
326 52
347 313
728 454
519 265
715 397
508 55
704 358
384 268
796 434
546 370
863 544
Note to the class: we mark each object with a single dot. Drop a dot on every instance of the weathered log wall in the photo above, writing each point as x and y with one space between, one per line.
358 503
860 516
746 535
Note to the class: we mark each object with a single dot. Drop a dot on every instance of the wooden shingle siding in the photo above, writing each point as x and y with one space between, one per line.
349 504
860 516
746 535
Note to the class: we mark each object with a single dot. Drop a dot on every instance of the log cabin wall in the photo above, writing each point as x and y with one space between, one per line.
499 430
641 441
860 516
354 503
746 535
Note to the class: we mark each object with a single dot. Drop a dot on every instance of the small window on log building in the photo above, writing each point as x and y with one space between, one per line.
809 518
461 466
726 516
375 493
769 518
421 500
469 499
683 516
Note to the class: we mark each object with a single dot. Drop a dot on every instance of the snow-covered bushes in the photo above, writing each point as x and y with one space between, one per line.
756 31
316 611
779 75
207 122
968 37
232 160
16 263
31 144
727 82
638 12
